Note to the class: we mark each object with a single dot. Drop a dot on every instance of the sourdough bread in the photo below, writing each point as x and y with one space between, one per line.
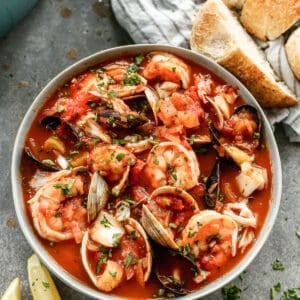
268 19
292 49
218 34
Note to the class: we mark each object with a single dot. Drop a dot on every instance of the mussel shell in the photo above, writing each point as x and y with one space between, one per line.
253 111
165 274
42 164
212 186
51 122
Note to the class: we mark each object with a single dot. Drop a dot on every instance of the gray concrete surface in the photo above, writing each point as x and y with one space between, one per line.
52 37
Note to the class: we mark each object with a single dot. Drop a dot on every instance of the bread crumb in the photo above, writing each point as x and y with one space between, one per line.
66 12
72 53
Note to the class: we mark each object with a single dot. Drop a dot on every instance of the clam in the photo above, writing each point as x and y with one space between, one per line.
97 196
160 230
219 115
122 210
153 99
107 233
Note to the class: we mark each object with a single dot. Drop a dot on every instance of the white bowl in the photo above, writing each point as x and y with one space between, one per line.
110 54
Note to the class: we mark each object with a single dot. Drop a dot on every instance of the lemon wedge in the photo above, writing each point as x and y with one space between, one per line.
13 291
41 283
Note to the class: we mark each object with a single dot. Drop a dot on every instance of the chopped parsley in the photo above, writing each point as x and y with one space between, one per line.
191 139
105 222
138 59
91 104
119 141
58 215
130 118
66 189
113 274
156 161
129 260
133 68
277 265
132 235
112 94
274 289
120 156
256 135
48 162
132 79
46 284
161 292
109 105
231 292
103 259
213 237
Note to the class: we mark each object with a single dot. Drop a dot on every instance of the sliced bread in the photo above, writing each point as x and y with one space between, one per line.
218 34
268 19
292 49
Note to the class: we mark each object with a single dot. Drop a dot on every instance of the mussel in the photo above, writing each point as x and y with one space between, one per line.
212 186
174 270
158 229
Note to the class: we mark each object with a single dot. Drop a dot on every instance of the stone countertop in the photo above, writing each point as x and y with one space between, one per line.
55 35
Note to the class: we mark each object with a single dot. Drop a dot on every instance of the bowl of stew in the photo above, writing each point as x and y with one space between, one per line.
146 171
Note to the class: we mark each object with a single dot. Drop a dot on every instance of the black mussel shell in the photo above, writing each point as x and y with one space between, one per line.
51 122
212 186
45 165
166 275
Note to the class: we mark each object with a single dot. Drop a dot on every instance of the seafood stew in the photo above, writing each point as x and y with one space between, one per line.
142 156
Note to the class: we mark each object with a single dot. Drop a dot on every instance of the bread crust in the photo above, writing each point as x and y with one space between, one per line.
216 34
292 49
268 19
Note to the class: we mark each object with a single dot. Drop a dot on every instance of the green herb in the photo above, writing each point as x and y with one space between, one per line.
66 189
191 139
156 161
174 69
290 294
298 232
58 215
274 289
213 237
119 141
111 80
120 156
113 274
111 120
103 259
105 222
128 260
170 295
46 284
48 162
115 237
231 292
132 235
277 265
71 153
138 59
109 105
115 191
256 135
130 118
173 225
91 104
133 68
132 79
161 292
191 234
112 94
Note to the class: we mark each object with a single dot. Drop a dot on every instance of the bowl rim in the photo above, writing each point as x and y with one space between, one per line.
106 55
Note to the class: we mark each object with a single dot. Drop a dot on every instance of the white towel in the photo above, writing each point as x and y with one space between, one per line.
170 22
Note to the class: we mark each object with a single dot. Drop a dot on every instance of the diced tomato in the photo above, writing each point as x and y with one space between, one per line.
198 192
173 203
135 174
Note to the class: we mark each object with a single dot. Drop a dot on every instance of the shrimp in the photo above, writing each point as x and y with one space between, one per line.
211 237
113 162
167 67
172 164
56 209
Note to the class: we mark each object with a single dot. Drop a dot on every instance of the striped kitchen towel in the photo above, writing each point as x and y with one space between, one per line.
170 22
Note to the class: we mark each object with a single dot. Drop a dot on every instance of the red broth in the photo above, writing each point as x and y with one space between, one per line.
67 253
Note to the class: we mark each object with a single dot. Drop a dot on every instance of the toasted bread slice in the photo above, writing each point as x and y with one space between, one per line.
292 49
268 19
218 34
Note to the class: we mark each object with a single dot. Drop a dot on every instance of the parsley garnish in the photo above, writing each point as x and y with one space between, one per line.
105 222
298 232
120 156
138 59
132 79
65 188
128 260
103 259
231 292
113 274
274 289
112 94
133 68
46 284
256 135
48 162
277 265
156 161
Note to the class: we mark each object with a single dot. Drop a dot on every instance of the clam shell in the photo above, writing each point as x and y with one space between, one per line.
151 224
97 196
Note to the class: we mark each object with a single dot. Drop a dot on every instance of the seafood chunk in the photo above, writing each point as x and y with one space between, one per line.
167 67
251 178
127 258
171 163
166 213
210 237
56 208
112 162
